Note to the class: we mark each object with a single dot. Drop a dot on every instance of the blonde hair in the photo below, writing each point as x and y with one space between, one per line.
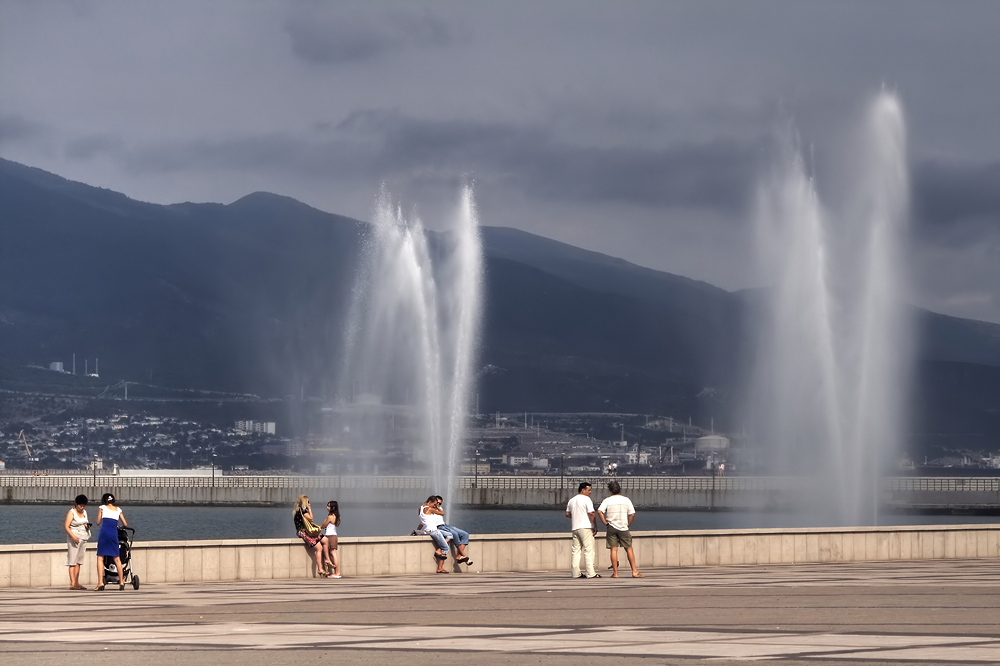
300 504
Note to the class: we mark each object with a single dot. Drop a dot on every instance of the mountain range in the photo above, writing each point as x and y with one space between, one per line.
250 297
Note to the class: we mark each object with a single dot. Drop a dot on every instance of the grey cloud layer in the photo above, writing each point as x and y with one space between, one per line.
326 35
946 193
373 145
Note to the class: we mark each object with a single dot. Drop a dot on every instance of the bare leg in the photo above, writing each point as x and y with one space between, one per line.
630 553
328 554
74 576
336 562
317 553
100 571
614 561
121 573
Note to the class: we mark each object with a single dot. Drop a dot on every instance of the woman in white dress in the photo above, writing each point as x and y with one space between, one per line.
77 527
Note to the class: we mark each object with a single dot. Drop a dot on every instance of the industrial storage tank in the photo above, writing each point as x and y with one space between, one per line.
711 443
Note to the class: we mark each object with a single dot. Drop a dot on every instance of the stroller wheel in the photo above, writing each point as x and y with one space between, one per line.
135 582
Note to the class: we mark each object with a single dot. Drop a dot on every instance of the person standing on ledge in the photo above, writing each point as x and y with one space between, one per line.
580 511
617 512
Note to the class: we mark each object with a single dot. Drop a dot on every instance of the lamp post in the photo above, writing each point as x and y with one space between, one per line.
475 482
213 469
95 470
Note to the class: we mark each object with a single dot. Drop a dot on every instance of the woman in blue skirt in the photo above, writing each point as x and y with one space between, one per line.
109 517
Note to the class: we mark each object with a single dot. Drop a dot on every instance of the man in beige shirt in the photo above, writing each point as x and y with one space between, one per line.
617 512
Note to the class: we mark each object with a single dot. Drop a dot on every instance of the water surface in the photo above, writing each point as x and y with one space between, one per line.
42 524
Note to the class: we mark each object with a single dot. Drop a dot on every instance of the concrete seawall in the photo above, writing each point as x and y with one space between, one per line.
194 561
691 493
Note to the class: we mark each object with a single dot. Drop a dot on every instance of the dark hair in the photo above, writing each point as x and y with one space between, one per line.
81 499
334 510
614 487
583 486
107 497
439 498
432 498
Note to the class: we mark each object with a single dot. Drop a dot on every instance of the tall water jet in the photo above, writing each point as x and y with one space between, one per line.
411 341
835 348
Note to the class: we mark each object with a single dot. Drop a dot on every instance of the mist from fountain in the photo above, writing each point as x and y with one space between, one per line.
834 355
411 341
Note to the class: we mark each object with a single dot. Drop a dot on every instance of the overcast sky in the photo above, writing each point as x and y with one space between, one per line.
638 129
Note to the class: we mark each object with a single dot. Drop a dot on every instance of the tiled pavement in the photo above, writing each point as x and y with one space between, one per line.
936 612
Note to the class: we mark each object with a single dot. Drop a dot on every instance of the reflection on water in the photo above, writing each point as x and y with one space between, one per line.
43 524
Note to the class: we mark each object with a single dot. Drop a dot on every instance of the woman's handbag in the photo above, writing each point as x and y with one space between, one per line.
310 528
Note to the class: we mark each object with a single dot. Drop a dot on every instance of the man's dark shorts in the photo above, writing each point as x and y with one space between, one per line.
616 538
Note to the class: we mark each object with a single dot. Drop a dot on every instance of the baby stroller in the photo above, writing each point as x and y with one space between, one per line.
125 555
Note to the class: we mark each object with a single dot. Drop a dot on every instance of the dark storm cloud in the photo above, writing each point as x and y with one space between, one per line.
14 128
717 174
328 36
89 147
944 194
374 145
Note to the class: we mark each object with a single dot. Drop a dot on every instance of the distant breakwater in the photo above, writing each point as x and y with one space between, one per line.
922 494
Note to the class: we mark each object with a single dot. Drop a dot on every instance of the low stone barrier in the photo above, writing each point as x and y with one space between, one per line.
252 559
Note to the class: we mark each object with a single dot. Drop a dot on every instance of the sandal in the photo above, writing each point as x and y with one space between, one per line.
99 588
638 575
440 556
465 560
444 571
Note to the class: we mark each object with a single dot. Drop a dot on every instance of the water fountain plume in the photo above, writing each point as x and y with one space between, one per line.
411 341
835 349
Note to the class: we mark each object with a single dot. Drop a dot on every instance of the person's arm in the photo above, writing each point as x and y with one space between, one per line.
121 519
69 519
593 520
329 519
434 509
603 518
631 513
100 515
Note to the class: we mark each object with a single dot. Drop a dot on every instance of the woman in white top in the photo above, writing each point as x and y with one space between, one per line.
329 526
77 527
109 517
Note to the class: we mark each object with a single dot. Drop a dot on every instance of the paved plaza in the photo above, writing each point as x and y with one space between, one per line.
935 612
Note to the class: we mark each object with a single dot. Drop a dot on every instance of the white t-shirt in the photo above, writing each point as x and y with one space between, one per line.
430 521
579 508
617 509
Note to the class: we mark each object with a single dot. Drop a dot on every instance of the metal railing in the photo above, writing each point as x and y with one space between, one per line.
628 483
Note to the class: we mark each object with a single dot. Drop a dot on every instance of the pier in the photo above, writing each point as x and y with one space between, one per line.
918 494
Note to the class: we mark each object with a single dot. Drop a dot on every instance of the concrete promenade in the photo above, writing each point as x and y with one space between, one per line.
931 612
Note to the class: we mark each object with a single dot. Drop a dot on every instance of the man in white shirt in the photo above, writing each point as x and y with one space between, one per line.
617 512
580 510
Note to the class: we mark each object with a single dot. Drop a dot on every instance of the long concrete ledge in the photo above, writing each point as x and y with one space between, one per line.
223 560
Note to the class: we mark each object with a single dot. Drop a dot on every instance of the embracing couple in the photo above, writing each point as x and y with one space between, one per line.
432 524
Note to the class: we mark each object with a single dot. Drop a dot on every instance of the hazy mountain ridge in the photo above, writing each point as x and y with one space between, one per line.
250 296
